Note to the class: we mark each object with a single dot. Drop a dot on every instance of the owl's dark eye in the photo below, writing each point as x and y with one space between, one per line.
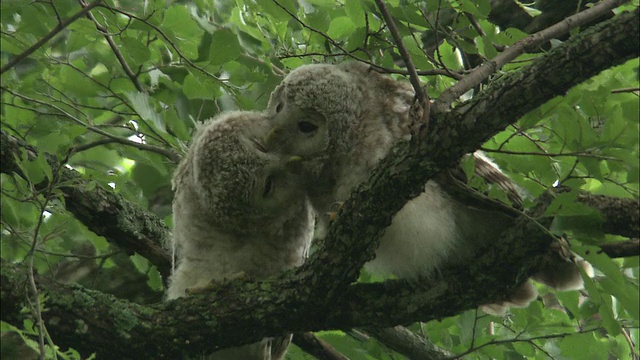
268 186
279 107
307 127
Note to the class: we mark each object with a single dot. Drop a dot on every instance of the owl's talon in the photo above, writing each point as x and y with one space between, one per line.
337 205
333 215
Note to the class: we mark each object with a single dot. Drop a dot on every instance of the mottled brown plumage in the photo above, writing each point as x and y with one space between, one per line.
342 120
237 209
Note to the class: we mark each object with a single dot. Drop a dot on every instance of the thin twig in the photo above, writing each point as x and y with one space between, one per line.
626 90
489 67
48 37
632 348
317 347
171 155
105 87
327 37
173 46
436 28
31 255
408 343
157 136
347 53
529 340
381 69
114 48
91 145
577 154
413 77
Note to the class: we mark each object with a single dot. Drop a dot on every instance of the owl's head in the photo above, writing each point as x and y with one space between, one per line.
323 111
237 182
314 109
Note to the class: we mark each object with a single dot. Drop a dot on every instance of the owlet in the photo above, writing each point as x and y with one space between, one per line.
342 120
237 209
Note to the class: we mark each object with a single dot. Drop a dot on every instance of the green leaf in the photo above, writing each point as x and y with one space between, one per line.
583 346
81 34
626 293
155 280
609 320
36 170
510 36
355 13
224 47
319 20
134 51
488 49
76 83
341 27
601 261
186 32
142 104
9 213
525 349
141 263
614 283
570 300
276 12
603 306
479 9
195 88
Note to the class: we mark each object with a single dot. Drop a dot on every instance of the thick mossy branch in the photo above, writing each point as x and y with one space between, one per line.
620 216
352 240
321 294
92 321
104 212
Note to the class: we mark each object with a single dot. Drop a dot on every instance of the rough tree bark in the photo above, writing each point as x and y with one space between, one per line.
321 294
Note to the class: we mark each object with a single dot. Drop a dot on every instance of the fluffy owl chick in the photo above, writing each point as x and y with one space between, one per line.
237 209
342 120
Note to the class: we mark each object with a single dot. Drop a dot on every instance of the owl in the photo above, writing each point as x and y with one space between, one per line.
342 120
238 209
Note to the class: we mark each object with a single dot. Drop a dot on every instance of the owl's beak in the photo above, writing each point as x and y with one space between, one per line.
258 145
294 165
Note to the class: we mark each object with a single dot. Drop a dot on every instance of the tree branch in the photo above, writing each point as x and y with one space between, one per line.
102 211
169 154
407 343
317 347
61 26
489 67
353 237
620 216
619 249
114 47
413 76
92 321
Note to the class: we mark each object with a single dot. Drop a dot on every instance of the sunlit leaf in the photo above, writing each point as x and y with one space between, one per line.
224 47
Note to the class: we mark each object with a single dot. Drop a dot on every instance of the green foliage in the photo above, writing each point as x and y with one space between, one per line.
187 61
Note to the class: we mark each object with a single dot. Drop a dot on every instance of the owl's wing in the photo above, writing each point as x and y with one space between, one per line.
489 171
454 182
279 346
560 272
